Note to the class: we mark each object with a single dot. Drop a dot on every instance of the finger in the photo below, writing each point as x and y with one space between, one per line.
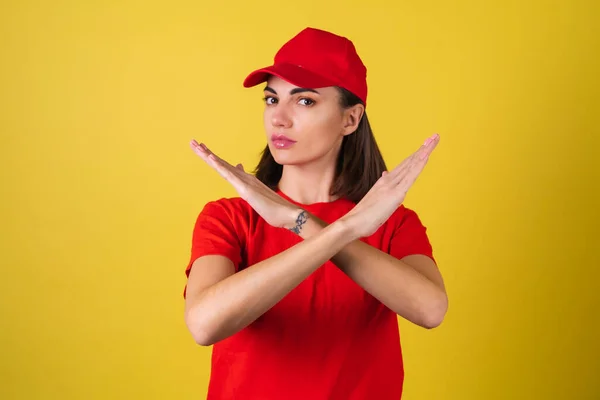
234 175
225 170
203 151
425 148
382 180
199 150
416 163
429 145
411 174
210 158
403 170
400 166
195 145
209 151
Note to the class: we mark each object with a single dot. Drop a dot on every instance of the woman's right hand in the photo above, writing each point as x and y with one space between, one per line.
274 209
388 193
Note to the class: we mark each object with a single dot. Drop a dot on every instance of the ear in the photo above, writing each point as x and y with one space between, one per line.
351 118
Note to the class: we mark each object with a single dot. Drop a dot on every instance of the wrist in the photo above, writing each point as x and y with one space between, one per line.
346 228
305 224
298 219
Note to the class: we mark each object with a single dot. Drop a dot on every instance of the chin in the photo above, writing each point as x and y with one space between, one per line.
294 156
286 157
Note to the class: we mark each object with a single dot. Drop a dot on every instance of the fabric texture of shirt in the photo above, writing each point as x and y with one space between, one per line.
328 339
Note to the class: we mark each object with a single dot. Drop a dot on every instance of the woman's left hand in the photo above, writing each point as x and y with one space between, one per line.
388 192
277 211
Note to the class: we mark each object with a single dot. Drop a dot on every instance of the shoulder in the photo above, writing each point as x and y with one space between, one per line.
227 206
405 218
227 213
408 234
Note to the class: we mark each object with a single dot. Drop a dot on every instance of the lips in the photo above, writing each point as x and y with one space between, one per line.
282 141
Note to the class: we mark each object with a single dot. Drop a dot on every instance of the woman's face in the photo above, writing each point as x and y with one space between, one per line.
304 125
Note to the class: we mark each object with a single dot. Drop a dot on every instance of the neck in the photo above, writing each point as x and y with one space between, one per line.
310 183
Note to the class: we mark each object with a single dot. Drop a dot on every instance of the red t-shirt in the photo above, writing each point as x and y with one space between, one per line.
328 338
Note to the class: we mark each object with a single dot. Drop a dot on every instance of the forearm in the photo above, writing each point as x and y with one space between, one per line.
396 284
235 302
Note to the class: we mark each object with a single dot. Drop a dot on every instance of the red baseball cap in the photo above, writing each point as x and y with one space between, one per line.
316 58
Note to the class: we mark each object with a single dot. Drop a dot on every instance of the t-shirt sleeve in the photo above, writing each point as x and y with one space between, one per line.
410 236
215 233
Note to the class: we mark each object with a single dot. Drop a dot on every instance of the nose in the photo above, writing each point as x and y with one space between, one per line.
280 118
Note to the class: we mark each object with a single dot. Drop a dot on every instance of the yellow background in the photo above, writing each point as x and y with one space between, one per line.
99 99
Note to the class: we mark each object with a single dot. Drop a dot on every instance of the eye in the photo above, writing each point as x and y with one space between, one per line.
306 101
269 100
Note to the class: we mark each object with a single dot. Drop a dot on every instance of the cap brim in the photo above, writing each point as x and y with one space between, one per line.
293 74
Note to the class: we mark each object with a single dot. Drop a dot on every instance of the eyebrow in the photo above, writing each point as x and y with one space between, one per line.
293 91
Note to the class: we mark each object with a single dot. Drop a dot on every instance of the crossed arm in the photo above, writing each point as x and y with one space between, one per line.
411 287
220 302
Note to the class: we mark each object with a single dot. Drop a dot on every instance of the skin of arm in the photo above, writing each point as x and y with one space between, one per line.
220 302
411 287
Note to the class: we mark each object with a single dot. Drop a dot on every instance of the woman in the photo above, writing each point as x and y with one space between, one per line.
299 281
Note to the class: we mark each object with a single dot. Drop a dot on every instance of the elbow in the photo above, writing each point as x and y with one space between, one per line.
434 313
201 338
199 331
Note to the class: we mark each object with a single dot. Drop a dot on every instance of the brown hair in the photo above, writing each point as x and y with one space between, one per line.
359 164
